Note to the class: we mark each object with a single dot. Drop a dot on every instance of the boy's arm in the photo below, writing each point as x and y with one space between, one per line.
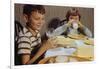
60 30
38 54
25 58
85 30
47 45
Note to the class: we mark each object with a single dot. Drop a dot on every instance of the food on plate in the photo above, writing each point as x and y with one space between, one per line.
61 59
77 36
85 52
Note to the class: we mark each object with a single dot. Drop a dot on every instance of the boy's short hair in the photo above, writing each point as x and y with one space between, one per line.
72 12
28 9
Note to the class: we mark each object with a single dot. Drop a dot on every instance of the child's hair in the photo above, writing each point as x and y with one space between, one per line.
72 12
28 9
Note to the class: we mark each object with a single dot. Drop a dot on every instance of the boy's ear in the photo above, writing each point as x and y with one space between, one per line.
25 18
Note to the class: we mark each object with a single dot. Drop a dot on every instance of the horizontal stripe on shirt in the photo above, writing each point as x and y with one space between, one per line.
24 42
24 51
23 38
21 45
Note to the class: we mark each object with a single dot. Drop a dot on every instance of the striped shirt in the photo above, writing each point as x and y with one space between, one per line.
27 42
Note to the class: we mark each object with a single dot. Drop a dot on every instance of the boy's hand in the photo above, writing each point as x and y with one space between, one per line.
51 43
80 24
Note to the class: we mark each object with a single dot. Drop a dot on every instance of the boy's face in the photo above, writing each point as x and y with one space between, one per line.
36 20
74 18
74 21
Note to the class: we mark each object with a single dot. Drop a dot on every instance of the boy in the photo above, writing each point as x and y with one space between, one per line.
29 41
73 26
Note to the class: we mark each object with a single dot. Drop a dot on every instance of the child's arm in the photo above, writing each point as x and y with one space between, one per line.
47 45
60 30
85 30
